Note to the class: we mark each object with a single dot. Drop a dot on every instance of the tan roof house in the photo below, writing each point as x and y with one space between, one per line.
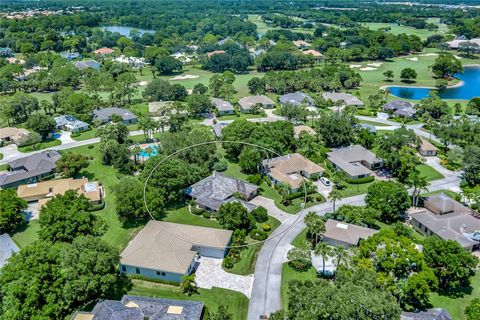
312 52
346 98
14 135
341 234
355 161
43 191
247 103
291 169
212 53
301 44
103 51
426 148
167 251
302 128
448 219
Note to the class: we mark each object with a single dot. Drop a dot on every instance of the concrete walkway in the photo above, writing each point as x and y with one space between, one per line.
272 209
210 274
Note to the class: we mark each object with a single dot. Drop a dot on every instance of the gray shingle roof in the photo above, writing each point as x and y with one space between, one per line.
346 232
349 159
397 104
218 127
222 105
214 190
105 114
429 314
140 308
81 65
297 99
70 122
7 248
347 98
246 103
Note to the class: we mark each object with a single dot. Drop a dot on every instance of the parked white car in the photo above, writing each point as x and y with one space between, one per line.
325 181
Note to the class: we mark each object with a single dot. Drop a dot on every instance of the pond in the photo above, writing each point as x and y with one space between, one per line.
125 31
468 90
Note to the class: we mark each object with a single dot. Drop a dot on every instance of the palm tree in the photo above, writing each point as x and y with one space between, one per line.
334 195
323 250
340 255
419 184
315 225
136 151
188 284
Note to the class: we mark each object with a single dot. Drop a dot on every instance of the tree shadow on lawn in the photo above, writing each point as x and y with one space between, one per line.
408 81
86 174
456 293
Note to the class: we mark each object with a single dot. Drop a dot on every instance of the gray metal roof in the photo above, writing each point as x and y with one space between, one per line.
222 105
106 114
397 104
140 308
214 190
349 159
406 112
81 65
297 99
218 127
347 98
70 122
429 314
246 103
7 248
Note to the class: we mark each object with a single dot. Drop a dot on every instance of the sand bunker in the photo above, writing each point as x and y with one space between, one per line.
412 59
375 64
143 83
184 77
429 55
368 69
355 66
458 57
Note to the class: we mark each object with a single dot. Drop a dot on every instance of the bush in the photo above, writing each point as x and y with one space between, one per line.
360 180
228 263
220 165
319 198
257 234
260 214
197 211
266 227
255 179
450 167
206 215
97 206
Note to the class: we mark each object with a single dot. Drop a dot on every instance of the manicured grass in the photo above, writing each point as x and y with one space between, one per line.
296 204
45 144
212 298
27 233
456 303
249 255
85 135
399 29
429 172
183 216
262 27
288 274
355 189
4 167
373 123
234 170
301 240
1 156
239 116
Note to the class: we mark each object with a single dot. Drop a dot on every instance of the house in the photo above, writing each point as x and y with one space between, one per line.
247 103
408 113
159 107
455 44
85 64
400 108
212 53
29 169
256 53
355 161
70 123
426 148
103 51
223 107
217 189
14 135
302 128
291 170
371 128
341 234
301 44
346 98
7 248
141 308
428 314
133 62
105 115
218 127
297 99
45 190
71 55
167 251
449 220
312 52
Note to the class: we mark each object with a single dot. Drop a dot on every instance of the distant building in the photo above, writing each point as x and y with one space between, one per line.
223 107
455 44
70 123
291 169
355 161
247 103
400 108
29 169
45 190
82 65
217 189
14 135
426 148
371 128
105 115
302 128
429 314
346 98
297 99
103 51
142 308
167 251
448 220
71 55
341 234
301 44
212 53
7 248
218 127
133 62
312 52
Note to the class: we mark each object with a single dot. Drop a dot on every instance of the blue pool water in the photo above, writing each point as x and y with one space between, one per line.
153 152
125 31
469 89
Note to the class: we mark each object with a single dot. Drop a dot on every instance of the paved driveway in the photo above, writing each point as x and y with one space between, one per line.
272 209
210 274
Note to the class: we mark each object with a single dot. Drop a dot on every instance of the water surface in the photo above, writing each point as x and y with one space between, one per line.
125 31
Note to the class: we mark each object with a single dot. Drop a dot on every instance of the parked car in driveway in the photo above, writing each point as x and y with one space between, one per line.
325 181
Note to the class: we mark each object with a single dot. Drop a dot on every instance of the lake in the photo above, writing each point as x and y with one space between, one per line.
125 31
467 91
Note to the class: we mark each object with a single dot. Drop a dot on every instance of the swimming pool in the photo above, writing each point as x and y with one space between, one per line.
149 151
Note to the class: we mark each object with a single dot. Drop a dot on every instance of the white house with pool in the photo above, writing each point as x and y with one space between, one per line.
168 251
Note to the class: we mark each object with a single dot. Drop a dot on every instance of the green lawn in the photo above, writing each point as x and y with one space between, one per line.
27 233
1 156
249 255
456 304
429 172
355 189
85 135
4 167
374 123
301 240
45 144
399 29
183 216
270 192
289 274
212 298
262 27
